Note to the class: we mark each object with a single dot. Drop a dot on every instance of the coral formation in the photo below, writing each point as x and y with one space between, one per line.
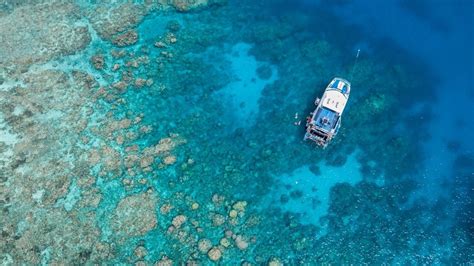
187 5
204 245
47 31
125 39
110 20
135 215
123 135
98 61
214 254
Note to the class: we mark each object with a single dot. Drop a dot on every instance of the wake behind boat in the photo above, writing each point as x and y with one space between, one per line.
325 120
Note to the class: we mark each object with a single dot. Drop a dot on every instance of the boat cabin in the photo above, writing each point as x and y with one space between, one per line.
325 120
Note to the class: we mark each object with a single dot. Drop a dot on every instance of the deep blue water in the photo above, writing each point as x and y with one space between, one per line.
394 186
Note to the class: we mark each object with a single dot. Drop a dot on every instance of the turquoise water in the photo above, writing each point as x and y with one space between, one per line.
169 133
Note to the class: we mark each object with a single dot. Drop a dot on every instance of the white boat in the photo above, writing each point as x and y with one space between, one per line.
324 122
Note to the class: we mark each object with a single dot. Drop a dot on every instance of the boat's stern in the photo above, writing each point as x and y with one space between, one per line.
319 137
322 126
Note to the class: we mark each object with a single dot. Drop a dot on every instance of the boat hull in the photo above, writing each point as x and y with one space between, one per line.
324 122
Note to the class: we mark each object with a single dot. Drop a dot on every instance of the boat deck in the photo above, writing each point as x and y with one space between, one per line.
340 85
325 119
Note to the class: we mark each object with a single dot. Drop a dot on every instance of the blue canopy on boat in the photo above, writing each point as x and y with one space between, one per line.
325 119
340 85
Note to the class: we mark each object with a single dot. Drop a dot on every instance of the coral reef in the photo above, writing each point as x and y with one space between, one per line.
47 31
135 215
110 20
41 170
118 143
125 39
187 5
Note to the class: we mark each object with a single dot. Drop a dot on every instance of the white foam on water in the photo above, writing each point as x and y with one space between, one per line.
313 203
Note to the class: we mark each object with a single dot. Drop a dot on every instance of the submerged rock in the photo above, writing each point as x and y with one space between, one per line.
218 219
186 5
98 61
224 242
166 208
146 161
125 39
139 82
275 262
204 245
164 145
240 242
214 254
179 220
240 206
160 44
135 215
168 160
111 158
233 214
195 206
165 261
140 252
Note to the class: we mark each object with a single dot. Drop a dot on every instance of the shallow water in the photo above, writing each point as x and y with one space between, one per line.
169 133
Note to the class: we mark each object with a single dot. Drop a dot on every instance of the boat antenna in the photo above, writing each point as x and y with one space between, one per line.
354 66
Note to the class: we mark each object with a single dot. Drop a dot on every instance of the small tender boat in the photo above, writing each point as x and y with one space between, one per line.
325 121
